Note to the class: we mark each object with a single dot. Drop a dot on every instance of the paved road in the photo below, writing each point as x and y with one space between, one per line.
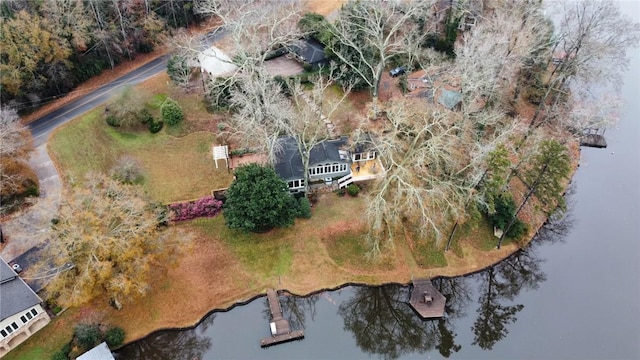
31 228
42 128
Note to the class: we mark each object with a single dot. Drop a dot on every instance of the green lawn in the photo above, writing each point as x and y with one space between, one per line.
174 168
266 255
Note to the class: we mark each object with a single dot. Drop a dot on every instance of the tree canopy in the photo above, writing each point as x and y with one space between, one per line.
258 200
107 240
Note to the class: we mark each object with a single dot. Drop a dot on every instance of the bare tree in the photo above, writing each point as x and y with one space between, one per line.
16 144
368 34
593 38
15 140
256 26
261 113
107 241
423 153
590 53
490 56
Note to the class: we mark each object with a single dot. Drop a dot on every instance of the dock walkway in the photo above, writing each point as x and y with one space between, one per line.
280 329
593 140
426 300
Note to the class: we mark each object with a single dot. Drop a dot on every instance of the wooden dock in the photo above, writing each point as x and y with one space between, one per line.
593 140
279 326
426 300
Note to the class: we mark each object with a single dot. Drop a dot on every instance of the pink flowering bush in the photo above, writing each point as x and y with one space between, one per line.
207 206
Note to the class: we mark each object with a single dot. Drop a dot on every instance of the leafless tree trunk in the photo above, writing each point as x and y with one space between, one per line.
370 33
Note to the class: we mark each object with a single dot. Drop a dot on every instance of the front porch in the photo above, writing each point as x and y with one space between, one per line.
367 170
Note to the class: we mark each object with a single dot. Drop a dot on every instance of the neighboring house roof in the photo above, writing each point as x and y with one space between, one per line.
100 352
449 98
289 162
215 62
310 50
15 294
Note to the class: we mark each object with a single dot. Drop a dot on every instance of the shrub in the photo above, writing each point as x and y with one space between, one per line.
86 336
353 189
145 116
127 171
112 120
518 229
171 112
207 206
62 354
505 211
304 208
114 337
32 190
341 192
155 126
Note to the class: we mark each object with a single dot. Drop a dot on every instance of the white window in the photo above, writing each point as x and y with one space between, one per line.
3 333
343 167
24 319
14 326
29 316
9 329
34 312
357 157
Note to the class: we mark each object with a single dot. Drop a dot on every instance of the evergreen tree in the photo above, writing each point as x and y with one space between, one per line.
258 200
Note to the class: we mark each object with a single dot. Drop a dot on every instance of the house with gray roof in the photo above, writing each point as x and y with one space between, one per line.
327 161
333 161
21 312
310 51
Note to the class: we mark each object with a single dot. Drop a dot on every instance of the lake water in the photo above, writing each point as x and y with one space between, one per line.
573 294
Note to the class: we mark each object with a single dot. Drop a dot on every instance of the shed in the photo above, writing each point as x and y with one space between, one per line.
100 352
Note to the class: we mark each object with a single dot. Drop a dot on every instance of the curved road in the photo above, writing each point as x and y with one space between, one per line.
29 229
42 128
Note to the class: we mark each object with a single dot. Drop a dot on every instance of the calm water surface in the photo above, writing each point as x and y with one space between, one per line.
574 294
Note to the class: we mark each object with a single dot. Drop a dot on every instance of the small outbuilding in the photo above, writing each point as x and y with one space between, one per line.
100 352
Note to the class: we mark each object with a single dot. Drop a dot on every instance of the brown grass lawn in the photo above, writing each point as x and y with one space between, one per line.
225 267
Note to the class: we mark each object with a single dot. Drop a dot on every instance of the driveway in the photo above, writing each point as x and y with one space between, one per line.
283 66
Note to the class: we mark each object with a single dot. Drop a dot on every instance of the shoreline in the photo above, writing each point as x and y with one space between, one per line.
242 302
220 305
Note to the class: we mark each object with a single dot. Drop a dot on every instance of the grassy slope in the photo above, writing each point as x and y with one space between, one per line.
174 168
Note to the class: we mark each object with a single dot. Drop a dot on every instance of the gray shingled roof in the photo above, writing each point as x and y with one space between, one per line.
311 50
327 151
100 352
289 162
15 294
